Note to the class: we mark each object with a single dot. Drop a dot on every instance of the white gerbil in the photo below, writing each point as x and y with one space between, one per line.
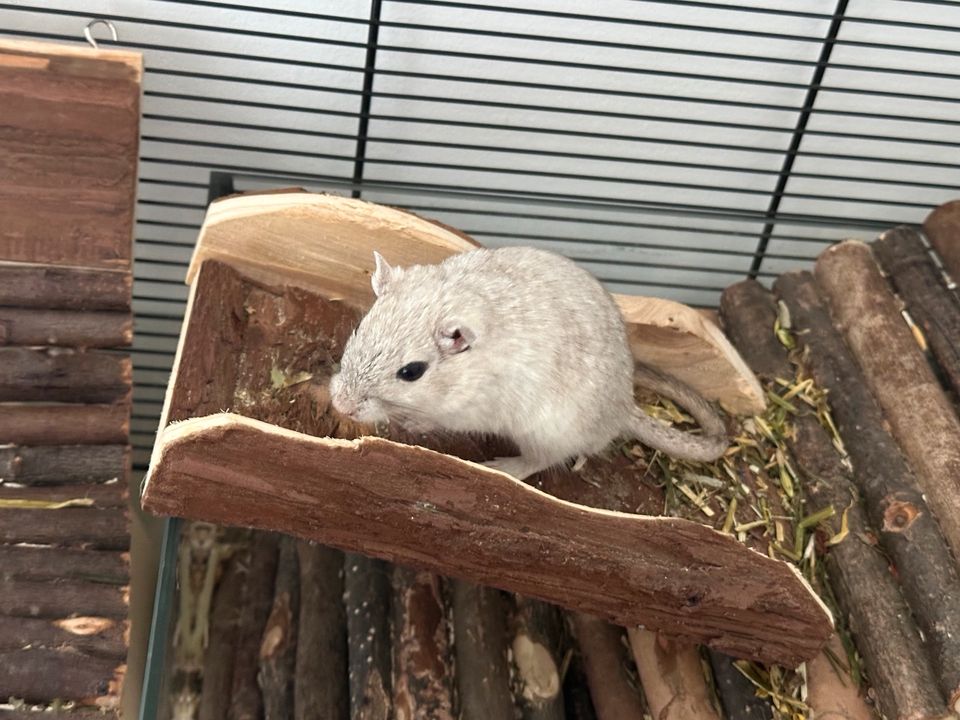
515 342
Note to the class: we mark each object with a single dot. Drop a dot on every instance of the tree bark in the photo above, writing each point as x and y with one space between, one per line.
921 417
95 636
42 563
42 674
33 375
480 645
672 677
34 424
367 599
71 328
278 649
615 695
39 599
63 464
932 306
68 288
322 688
422 656
908 532
346 491
246 702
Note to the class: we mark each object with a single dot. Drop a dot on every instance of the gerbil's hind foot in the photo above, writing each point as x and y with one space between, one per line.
519 466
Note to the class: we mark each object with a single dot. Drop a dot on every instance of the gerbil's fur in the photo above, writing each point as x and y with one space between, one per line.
517 342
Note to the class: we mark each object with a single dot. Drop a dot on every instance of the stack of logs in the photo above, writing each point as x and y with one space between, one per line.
69 142
299 630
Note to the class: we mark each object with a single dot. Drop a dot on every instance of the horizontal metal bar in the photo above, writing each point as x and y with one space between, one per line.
371 160
577 155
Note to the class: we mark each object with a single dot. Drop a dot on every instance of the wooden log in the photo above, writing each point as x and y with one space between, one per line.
537 655
24 562
322 691
101 495
367 591
921 417
44 599
95 636
63 376
64 464
576 691
245 698
50 287
867 592
36 424
894 507
222 641
42 675
831 692
278 649
942 228
224 468
335 237
737 695
77 328
672 677
919 283
68 186
614 694
422 655
480 645
86 528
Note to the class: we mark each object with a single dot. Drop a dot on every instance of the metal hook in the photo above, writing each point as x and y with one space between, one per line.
88 34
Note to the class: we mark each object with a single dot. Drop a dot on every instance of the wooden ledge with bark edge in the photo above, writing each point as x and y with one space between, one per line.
461 519
325 243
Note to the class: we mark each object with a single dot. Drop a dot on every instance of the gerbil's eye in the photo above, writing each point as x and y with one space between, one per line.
412 371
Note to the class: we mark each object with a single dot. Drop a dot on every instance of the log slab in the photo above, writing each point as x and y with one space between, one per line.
39 286
64 464
24 562
37 375
70 328
60 599
42 674
95 636
64 424
87 528
460 519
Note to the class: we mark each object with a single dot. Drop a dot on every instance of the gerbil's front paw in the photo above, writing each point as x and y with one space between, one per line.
515 466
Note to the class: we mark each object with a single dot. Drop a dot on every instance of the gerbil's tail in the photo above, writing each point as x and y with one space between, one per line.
677 443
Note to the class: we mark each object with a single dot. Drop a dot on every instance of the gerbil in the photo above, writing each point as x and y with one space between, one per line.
515 342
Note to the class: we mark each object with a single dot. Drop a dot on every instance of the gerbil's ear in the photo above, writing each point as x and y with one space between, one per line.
454 337
383 274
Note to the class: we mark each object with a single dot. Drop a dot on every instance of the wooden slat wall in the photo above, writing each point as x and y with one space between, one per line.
68 172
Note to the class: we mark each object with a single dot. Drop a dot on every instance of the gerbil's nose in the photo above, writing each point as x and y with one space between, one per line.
343 405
